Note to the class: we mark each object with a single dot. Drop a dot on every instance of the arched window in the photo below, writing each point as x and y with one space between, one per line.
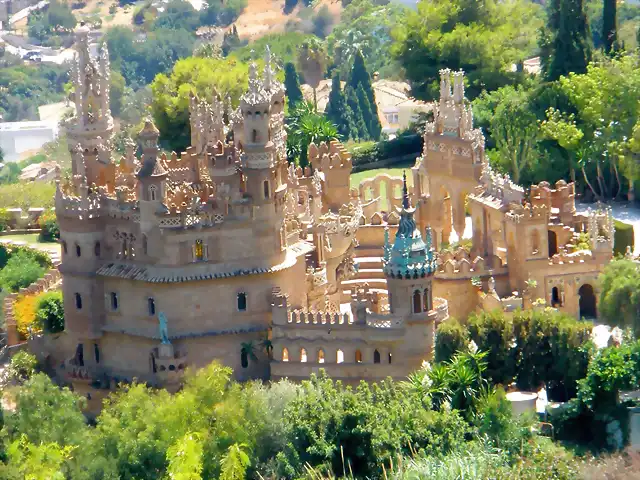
242 302
151 306
78 301
556 300
64 247
153 193
96 352
144 244
535 242
417 302
303 355
425 301
376 356
254 136
114 301
358 356
339 356
198 251
320 356
96 249
78 250
389 358
265 187
285 355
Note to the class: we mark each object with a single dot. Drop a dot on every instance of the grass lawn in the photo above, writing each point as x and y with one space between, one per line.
27 194
32 240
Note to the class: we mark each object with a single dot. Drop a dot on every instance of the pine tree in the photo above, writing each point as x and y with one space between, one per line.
359 127
610 26
292 84
369 115
337 110
360 78
569 43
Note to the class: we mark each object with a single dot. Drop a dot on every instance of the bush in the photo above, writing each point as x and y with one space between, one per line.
451 337
398 147
23 366
20 272
50 312
5 219
7 251
24 311
493 333
50 230
622 238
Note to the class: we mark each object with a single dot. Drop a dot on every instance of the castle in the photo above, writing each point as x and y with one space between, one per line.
228 252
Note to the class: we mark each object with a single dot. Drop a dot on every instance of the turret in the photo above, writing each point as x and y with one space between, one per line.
151 174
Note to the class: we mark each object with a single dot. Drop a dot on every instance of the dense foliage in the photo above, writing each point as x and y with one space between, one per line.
24 88
482 38
305 126
20 271
215 428
48 25
50 312
534 348
620 295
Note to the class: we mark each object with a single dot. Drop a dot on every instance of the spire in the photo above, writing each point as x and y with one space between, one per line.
405 193
268 71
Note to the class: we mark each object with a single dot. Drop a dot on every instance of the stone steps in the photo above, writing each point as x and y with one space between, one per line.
364 251
368 262
369 274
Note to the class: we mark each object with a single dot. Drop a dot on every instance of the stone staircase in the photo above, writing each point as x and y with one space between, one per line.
369 262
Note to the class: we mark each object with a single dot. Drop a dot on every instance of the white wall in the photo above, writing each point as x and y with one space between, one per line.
19 137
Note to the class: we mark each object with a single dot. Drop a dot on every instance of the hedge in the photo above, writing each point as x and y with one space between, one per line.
398 147
622 238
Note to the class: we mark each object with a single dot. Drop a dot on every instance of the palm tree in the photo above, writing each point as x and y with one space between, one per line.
304 126
312 60
267 346
235 463
247 352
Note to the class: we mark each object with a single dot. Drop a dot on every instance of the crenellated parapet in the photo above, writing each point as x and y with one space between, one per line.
500 186
562 197
528 213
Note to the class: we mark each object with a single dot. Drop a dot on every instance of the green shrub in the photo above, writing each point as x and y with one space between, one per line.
50 312
451 337
492 332
23 366
20 271
50 230
398 147
8 250
622 238
5 218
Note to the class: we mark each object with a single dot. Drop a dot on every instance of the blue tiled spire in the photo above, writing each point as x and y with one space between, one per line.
409 256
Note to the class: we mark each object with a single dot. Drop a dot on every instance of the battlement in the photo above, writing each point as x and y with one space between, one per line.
528 214
561 198
332 156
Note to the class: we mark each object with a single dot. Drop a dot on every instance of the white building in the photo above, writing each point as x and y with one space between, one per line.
19 138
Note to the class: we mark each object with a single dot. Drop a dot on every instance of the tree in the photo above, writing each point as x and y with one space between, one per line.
222 14
292 85
359 78
116 93
359 129
235 463
185 458
337 111
178 15
312 60
567 48
563 130
610 26
56 19
322 22
201 76
50 312
482 38
515 131
38 461
20 271
620 295
451 337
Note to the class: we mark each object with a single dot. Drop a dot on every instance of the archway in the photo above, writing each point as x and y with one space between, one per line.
587 301
553 243
556 301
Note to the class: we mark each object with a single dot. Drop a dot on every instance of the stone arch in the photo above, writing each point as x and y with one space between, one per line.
358 356
285 354
320 355
339 356
376 356
587 301
556 298
303 355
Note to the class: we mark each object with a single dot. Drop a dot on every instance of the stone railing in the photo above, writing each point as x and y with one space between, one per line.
319 318
17 219
50 281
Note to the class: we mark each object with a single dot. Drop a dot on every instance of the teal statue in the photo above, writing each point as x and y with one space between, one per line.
164 332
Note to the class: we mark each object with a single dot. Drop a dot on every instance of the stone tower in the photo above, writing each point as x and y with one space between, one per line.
89 135
409 265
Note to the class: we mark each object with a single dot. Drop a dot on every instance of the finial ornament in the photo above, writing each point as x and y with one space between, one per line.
405 193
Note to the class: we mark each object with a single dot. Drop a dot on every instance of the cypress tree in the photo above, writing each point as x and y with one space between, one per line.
609 26
569 45
360 78
292 84
337 110
359 129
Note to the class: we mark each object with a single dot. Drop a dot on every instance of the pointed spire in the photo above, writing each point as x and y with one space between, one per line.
405 193
268 71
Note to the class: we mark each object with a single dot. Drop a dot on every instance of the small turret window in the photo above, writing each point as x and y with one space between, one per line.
285 355
96 352
303 355
242 302
114 301
320 356
376 356
265 187
78 298
153 193
198 251
78 250
417 302
151 306
96 249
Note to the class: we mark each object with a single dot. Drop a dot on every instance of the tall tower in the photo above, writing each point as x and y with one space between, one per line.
264 153
89 133
409 265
